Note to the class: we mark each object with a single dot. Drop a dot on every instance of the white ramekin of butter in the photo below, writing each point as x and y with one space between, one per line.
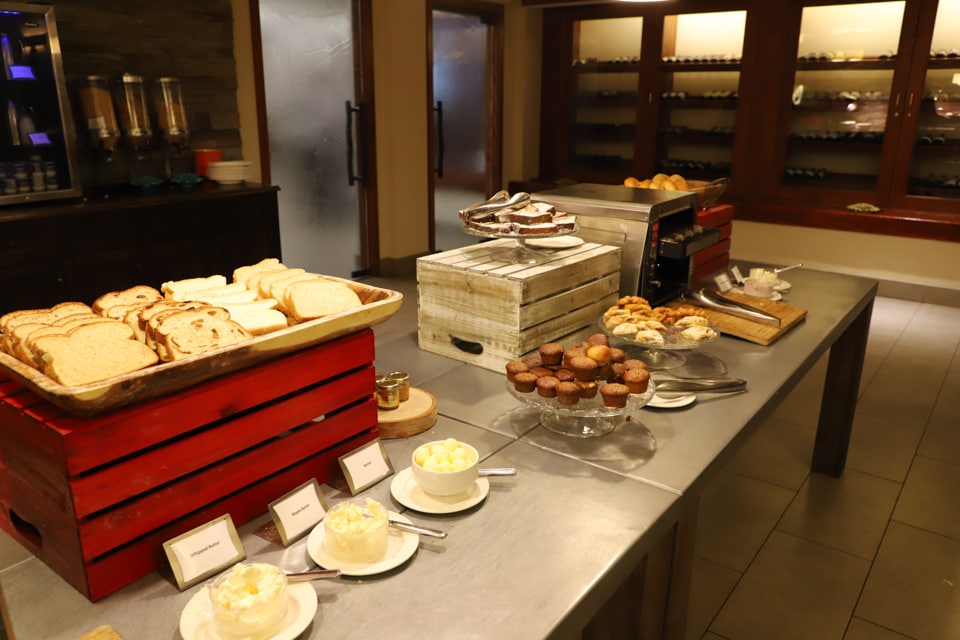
355 533
249 601
445 467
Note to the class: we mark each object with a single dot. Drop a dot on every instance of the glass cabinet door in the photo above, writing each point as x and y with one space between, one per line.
700 67
935 161
606 65
841 91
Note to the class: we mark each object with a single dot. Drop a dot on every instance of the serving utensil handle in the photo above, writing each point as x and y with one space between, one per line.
415 528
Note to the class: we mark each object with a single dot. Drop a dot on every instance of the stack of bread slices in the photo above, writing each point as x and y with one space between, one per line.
129 330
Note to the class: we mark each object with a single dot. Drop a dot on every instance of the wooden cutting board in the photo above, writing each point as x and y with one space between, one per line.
105 632
414 415
751 330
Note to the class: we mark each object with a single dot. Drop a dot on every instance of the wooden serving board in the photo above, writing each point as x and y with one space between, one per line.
415 415
751 330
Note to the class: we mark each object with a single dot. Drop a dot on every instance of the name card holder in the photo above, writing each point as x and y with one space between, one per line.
204 551
297 512
365 466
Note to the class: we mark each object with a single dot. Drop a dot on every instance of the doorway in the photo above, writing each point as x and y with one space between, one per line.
465 93
319 108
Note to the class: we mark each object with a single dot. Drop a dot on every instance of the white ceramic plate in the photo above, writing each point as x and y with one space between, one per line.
559 242
401 546
783 285
775 297
196 621
671 400
407 492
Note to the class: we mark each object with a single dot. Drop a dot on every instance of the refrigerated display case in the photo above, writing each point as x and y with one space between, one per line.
37 138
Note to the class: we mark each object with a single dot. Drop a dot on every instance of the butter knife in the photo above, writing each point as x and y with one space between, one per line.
316 574
415 528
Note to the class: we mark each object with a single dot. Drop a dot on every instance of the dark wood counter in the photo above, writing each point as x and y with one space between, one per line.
79 249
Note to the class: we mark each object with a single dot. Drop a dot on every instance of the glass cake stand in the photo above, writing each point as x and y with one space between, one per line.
519 253
658 357
588 418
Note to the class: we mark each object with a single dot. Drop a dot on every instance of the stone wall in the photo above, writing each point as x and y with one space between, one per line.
188 39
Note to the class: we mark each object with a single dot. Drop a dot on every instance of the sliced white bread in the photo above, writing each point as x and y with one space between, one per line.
245 295
177 289
139 294
187 333
310 299
12 340
278 287
93 352
242 274
257 317
267 279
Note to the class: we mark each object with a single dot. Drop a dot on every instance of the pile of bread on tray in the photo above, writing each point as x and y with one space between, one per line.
125 331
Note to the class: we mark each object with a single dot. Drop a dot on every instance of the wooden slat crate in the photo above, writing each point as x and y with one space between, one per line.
508 310
95 498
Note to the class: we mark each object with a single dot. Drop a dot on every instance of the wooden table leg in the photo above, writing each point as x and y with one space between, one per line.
840 391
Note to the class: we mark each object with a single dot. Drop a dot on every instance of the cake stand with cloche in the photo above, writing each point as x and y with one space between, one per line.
520 218
584 390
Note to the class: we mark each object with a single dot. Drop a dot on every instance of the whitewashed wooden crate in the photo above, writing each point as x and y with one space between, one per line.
503 311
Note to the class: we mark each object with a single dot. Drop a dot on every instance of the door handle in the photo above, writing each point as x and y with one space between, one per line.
356 113
438 109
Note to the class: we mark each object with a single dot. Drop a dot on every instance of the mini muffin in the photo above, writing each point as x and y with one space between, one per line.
599 353
584 368
617 371
633 363
605 372
551 353
588 389
599 338
564 375
547 386
614 394
571 353
514 367
525 382
541 371
617 355
637 380
533 361
568 393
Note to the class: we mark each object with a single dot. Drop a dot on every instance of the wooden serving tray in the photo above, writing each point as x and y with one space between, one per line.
166 378
751 330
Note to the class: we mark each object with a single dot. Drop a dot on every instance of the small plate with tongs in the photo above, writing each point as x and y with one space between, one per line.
713 300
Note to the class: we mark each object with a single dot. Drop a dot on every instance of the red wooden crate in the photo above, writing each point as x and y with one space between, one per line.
95 498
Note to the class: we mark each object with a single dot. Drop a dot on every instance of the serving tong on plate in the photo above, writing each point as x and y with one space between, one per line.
700 385
497 202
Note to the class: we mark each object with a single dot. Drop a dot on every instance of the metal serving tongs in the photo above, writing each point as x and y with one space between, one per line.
496 202
700 385
713 300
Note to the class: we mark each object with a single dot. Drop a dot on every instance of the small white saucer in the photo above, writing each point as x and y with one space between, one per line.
783 285
401 545
407 492
196 621
671 400
775 296
557 242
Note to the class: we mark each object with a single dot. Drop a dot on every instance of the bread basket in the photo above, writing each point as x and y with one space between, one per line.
707 192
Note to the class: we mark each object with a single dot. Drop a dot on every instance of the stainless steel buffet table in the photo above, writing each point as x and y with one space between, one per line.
562 549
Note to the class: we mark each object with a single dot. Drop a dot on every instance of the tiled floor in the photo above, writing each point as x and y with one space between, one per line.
874 554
